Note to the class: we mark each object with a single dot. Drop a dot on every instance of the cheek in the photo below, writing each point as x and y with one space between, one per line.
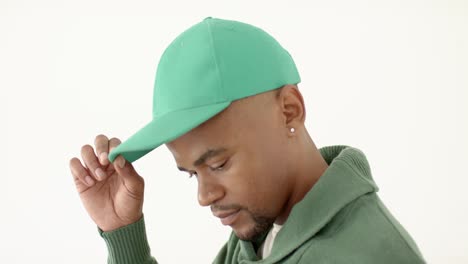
241 180
254 181
254 188
271 181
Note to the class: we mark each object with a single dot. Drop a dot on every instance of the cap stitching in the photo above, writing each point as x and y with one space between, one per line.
214 54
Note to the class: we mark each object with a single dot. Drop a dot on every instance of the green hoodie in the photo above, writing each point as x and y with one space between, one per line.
340 220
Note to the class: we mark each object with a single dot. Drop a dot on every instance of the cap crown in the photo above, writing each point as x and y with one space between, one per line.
219 60
201 72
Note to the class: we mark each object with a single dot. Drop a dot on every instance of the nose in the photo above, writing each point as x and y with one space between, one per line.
208 191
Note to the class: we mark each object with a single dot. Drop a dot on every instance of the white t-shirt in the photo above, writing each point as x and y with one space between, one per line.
265 249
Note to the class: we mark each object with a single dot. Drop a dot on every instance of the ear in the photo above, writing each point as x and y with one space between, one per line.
292 106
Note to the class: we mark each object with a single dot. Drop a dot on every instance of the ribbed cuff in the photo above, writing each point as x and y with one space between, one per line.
128 244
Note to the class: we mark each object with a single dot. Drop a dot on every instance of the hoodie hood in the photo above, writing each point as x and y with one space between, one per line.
347 177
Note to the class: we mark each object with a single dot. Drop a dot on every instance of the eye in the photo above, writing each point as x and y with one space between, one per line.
219 167
191 174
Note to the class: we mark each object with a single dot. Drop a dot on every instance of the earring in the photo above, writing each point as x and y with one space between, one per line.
292 129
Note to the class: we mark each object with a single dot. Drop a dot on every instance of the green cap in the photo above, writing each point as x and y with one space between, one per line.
201 72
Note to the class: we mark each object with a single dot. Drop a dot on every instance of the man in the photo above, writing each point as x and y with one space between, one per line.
227 106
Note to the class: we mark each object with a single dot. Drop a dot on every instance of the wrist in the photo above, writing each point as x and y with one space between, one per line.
114 224
127 242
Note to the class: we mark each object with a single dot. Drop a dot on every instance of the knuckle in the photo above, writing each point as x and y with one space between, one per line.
141 186
93 164
142 182
139 183
80 175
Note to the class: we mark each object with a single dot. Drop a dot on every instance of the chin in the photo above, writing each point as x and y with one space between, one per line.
250 232
250 227
246 236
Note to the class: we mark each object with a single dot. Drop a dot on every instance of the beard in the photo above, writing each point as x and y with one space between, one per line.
262 224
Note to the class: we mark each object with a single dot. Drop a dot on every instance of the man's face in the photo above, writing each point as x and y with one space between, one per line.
244 176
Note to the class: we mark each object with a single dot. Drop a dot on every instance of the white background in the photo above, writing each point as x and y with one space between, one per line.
388 77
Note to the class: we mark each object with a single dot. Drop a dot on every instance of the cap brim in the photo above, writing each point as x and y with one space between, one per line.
163 129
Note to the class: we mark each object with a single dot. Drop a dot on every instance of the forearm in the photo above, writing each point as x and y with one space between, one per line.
128 244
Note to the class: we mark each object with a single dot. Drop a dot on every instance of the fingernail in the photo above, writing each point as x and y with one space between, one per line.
103 158
121 162
100 173
89 180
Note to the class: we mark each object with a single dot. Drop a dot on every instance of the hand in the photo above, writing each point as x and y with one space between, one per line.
112 194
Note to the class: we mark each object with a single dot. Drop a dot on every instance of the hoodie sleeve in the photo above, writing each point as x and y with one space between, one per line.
128 244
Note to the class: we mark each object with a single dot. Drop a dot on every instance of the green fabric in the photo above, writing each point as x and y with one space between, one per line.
340 220
203 70
128 244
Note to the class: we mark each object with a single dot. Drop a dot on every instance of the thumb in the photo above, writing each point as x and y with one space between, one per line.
132 180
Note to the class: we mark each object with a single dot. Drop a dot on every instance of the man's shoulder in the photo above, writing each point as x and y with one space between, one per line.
365 231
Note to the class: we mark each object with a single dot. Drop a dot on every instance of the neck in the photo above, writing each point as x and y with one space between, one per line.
309 165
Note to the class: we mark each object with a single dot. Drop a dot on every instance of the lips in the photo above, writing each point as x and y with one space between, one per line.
227 217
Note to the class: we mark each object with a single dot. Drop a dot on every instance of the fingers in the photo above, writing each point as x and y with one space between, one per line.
132 180
102 149
80 174
113 143
94 162
91 162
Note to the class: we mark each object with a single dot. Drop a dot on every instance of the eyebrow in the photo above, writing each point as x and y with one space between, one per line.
210 153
